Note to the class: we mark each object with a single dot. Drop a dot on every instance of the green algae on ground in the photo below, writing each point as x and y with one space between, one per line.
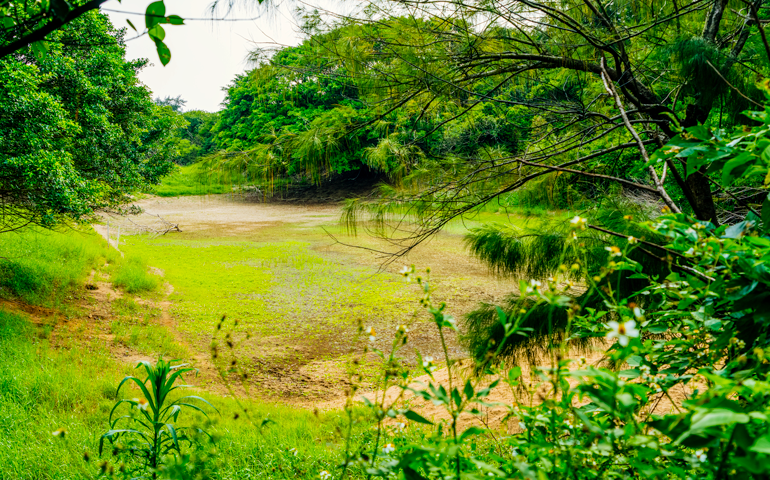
283 294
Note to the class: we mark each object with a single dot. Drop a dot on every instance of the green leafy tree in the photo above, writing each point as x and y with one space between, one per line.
79 132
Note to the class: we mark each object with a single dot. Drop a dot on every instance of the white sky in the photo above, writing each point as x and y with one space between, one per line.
205 55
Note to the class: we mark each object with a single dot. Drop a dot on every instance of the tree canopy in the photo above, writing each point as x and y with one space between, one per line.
78 130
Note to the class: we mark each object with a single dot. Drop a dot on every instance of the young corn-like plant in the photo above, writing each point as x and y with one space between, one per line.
147 432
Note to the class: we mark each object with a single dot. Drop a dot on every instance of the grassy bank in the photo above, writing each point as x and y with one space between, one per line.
57 376
193 180
43 388
48 268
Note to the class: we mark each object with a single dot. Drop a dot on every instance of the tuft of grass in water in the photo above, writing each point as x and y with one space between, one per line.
133 276
43 267
193 180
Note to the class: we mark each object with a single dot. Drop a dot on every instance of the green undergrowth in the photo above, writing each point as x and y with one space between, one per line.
133 276
193 180
138 326
43 389
48 268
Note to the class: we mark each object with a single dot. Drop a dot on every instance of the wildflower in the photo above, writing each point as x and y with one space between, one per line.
656 387
59 432
372 334
533 286
293 451
325 475
665 209
623 331
388 448
574 237
400 426
142 404
407 272
614 251
402 328
628 217
645 369
427 361
700 456
578 222
632 240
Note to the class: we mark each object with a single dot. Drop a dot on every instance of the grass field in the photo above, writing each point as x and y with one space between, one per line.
55 375
299 297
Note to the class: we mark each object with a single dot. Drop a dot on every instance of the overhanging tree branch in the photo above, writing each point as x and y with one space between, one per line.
53 24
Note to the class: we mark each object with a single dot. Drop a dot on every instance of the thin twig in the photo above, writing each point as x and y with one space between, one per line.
606 79
731 85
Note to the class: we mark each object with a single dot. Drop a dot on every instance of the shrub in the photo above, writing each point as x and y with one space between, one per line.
685 388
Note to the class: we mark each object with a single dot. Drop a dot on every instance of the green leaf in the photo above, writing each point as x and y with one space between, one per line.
130 24
155 14
719 416
766 214
416 417
164 54
175 20
762 445
157 33
39 49
470 431
468 390
732 168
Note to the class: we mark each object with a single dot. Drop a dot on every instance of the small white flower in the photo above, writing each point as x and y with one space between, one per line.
614 251
402 328
372 334
59 432
639 313
325 475
701 456
293 451
399 426
578 222
623 331
388 448
142 404
427 361
407 272
632 240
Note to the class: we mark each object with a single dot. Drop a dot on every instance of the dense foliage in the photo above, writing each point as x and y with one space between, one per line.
79 132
